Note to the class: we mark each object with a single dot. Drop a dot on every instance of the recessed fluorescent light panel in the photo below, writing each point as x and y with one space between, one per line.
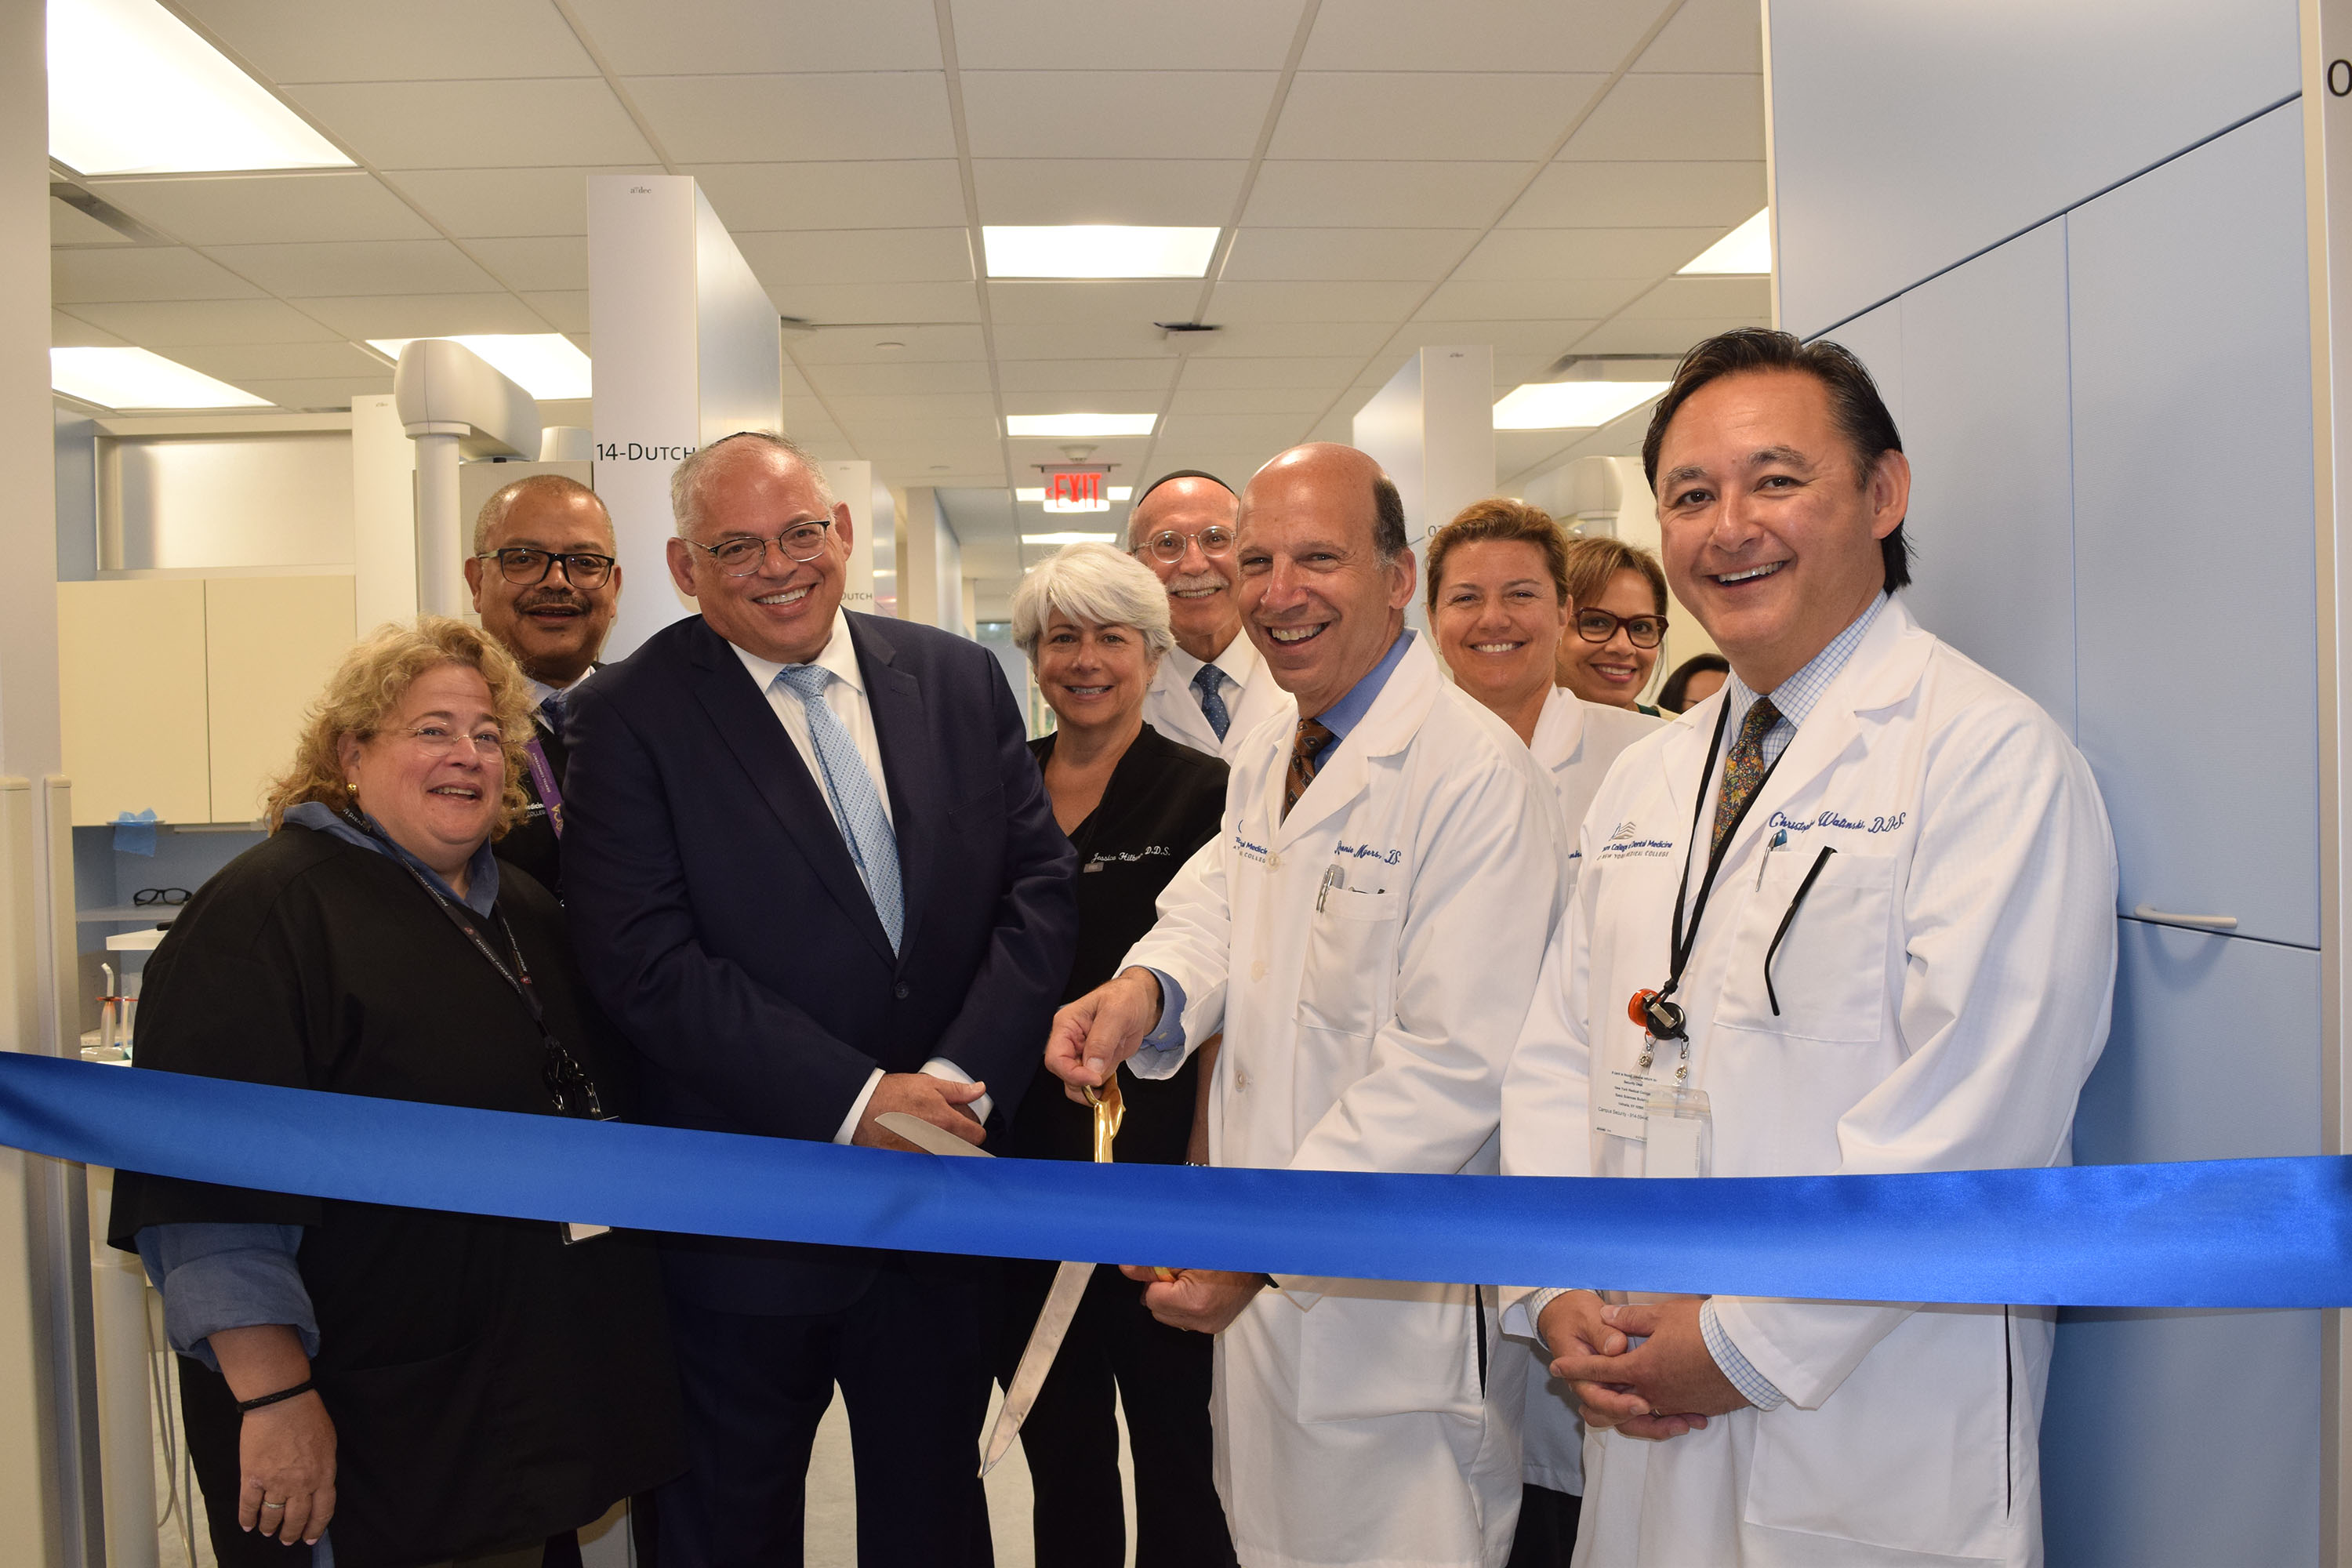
1097 250
1746 249
1064 426
545 364
1035 494
134 90
1571 405
136 378
1069 538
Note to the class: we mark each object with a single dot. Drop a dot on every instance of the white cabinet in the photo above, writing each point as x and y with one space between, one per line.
183 696
2197 639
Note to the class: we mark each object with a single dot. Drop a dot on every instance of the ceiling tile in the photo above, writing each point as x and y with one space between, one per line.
1328 301
1116 114
893 303
1068 400
1088 302
718 37
366 40
1115 340
71 225
164 326
1668 339
1565 253
1124 453
916 344
1530 299
1427 114
241 363
1177 192
366 267
1315 374
1114 34
889 377
1145 377
1236 432
922 194
1746 298
1287 401
1498 35
485 201
1546 337
141 272
1423 255
72 333
552 262
1675 118
477 124
274 209
426 315
1258 339
1339 193
1516 451
803 117
859 255
900 435
566 309
1709 35
324 393
1622 194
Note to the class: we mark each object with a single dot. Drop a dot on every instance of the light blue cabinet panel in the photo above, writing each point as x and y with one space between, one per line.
2183 1439
1909 138
1985 421
2193 509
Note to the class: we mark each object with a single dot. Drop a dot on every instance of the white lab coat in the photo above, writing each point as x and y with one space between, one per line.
1370 963
1943 993
1171 707
1575 743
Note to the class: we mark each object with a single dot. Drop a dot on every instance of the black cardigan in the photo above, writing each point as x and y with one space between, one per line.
488 1385
1163 803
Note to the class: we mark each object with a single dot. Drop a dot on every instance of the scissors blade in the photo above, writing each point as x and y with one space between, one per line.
1037 1358
929 1139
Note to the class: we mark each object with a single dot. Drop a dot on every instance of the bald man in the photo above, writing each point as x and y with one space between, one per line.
1366 930
1212 688
547 585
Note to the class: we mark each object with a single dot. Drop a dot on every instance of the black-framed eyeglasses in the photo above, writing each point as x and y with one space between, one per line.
146 896
802 541
523 566
1599 625
1168 545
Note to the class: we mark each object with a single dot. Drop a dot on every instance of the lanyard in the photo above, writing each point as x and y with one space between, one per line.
1655 1010
568 1083
543 783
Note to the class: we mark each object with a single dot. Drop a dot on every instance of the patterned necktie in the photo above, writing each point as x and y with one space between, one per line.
551 713
1304 751
856 804
1206 680
1744 769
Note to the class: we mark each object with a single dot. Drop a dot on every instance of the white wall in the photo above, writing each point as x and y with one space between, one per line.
932 588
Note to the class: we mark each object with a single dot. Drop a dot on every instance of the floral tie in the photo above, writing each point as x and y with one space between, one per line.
1744 769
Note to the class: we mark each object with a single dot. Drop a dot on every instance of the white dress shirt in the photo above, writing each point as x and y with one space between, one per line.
844 695
1173 708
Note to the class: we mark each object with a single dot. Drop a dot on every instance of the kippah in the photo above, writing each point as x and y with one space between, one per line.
1184 474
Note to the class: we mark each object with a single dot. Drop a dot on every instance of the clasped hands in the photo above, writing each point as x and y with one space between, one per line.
1662 1387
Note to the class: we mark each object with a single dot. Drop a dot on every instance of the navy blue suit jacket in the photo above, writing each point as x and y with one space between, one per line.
721 923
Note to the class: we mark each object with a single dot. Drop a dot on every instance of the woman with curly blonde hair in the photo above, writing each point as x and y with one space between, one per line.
438 1386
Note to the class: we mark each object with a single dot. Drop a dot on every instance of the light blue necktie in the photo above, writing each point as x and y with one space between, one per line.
856 804
1206 680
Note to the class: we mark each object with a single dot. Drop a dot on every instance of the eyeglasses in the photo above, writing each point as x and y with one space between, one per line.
1168 545
524 566
801 543
440 740
146 896
1599 625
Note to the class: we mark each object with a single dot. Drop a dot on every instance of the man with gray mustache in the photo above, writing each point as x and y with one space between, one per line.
1212 688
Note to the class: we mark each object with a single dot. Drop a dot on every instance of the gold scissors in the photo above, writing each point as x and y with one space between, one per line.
1111 1109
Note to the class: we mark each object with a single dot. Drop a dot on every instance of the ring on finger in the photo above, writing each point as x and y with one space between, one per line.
273 1505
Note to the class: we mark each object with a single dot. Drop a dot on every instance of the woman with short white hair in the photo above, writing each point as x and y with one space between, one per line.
1094 623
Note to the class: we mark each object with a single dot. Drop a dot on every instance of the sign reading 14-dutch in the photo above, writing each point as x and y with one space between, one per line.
639 452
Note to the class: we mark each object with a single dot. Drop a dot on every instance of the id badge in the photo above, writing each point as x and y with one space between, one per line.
1679 1134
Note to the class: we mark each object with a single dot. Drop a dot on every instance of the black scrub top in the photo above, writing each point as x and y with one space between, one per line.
488 1385
1163 803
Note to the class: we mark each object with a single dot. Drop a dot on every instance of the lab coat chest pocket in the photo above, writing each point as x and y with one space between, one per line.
1351 945
1826 978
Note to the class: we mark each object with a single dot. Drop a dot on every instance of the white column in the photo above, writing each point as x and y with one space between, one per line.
49 1484
383 514
687 351
440 575
853 486
1432 429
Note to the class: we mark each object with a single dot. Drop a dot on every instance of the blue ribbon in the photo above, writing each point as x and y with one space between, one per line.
2224 1232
